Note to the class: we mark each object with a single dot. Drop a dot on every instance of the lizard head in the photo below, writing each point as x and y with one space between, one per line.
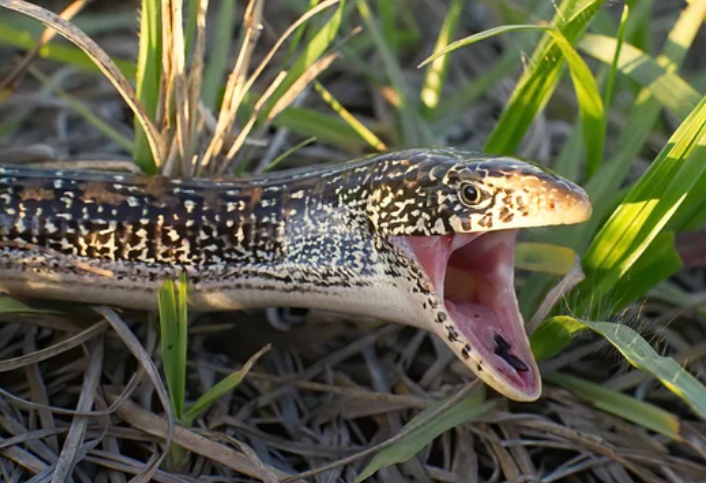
454 216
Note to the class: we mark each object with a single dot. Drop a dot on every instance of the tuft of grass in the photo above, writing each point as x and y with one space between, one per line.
173 318
590 104
539 81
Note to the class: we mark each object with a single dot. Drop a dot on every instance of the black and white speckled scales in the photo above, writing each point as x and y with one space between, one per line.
421 237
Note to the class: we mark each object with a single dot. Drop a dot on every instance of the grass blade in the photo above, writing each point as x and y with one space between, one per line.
537 84
20 68
436 73
553 335
639 412
659 262
414 130
218 54
608 96
237 87
649 205
486 34
65 54
668 88
192 12
591 111
149 78
8 305
642 117
173 325
365 133
313 51
226 385
85 112
299 33
287 153
590 104
641 355
328 129
544 258
424 428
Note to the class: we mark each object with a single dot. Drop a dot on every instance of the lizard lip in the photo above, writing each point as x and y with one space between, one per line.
480 321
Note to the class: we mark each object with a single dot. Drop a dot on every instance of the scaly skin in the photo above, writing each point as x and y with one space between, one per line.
329 237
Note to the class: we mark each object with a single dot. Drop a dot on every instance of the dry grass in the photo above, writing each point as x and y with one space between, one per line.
81 395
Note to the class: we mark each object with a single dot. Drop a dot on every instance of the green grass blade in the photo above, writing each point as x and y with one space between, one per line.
591 111
312 52
649 205
659 262
426 429
85 112
388 14
299 34
288 153
414 129
641 355
455 106
608 96
8 305
692 214
486 34
218 55
65 54
436 73
326 128
224 386
568 162
149 72
592 165
173 327
639 412
544 258
553 335
537 84
192 10
365 133
668 88
638 125
590 104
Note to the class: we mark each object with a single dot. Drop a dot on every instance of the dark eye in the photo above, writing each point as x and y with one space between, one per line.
470 195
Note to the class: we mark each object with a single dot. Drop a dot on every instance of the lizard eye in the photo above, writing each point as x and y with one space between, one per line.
470 195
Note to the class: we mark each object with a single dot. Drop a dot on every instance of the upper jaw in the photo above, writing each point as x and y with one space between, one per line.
472 276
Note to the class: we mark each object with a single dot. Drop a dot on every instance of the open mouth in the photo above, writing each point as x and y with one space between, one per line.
473 274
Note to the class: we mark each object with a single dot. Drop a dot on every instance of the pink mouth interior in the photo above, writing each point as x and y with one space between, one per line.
474 275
